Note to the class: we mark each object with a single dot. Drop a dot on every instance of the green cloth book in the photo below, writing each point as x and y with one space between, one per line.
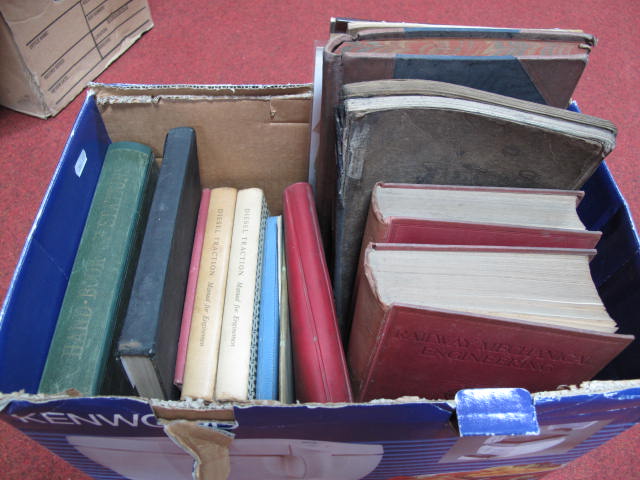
81 351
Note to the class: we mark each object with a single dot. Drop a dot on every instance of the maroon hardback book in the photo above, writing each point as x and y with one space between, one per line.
400 349
422 229
383 226
319 363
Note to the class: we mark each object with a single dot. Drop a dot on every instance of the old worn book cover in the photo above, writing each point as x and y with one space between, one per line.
418 131
537 65
431 320
81 352
148 343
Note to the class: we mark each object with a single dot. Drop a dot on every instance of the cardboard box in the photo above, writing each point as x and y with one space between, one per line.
260 136
50 49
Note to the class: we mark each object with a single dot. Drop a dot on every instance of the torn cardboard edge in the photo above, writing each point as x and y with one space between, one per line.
130 93
208 447
202 411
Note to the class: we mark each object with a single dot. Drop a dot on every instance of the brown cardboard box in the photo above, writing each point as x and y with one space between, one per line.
50 49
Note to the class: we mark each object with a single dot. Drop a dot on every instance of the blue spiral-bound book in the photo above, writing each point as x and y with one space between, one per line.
269 329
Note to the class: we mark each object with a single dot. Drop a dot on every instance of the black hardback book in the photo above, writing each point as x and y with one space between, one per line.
148 343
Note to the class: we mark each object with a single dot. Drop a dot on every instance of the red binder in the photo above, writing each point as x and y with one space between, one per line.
319 364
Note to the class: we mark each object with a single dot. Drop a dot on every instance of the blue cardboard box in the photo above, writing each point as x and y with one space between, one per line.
250 136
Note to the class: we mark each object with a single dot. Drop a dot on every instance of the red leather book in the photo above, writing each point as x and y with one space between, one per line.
495 219
318 356
190 292
433 347
472 215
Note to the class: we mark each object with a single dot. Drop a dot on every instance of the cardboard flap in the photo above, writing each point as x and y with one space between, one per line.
209 447
247 136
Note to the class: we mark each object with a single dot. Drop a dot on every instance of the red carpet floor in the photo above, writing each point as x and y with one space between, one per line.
272 42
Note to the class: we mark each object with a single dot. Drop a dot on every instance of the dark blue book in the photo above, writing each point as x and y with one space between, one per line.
269 329
148 343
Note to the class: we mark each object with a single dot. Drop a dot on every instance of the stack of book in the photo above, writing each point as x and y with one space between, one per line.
233 293
124 299
447 179
472 269
469 287
537 65
175 287
419 131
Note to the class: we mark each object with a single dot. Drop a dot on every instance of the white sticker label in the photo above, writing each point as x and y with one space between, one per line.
80 163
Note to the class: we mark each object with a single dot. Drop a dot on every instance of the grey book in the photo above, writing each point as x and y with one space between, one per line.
425 132
149 340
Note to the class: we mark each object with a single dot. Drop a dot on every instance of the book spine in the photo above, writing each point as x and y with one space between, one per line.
368 321
253 358
376 230
325 161
190 293
153 320
206 321
319 364
242 299
269 324
92 308
285 367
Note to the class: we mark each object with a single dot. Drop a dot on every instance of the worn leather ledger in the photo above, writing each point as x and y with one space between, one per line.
537 65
